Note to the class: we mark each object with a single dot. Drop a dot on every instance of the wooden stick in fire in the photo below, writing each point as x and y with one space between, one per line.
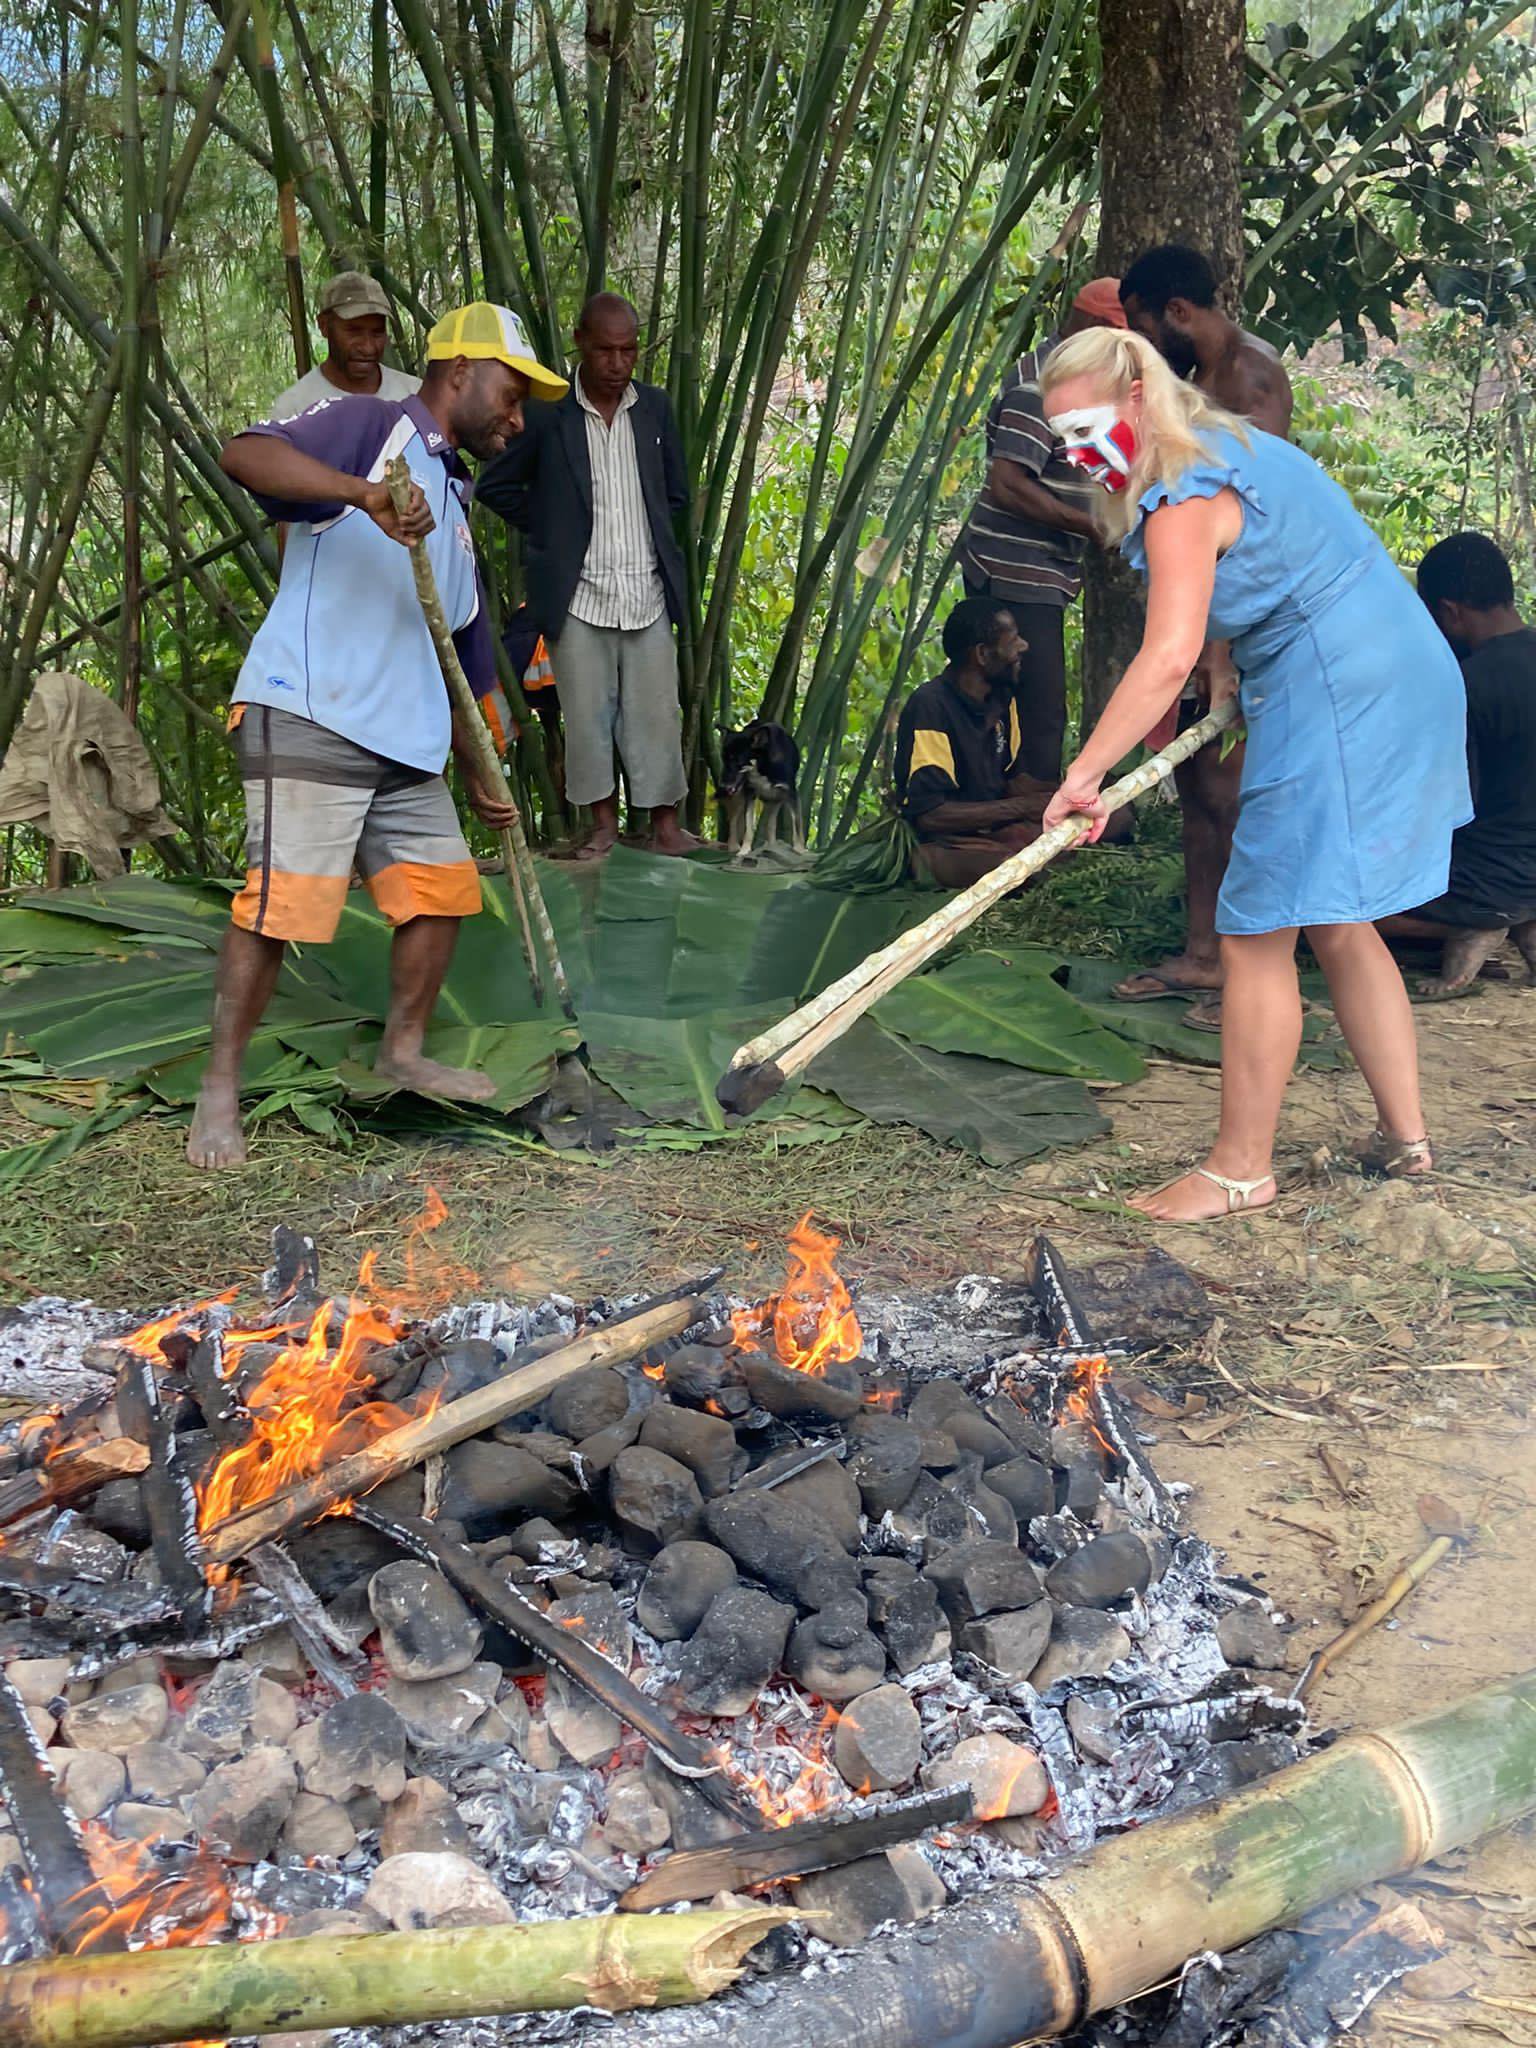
398 1450
515 856
759 1069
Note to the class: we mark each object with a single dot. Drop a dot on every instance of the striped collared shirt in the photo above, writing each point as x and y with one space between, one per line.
1014 556
620 582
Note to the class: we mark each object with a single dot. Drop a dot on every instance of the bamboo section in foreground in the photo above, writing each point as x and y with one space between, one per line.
359 1980
1025 1963
759 1069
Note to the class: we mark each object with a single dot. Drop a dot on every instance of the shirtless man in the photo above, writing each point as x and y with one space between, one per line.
1169 296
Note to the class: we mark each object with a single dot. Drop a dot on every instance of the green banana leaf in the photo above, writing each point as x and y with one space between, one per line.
36 936
668 1066
142 904
985 1106
1160 1025
1004 1007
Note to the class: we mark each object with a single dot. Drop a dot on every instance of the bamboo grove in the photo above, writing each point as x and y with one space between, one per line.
840 220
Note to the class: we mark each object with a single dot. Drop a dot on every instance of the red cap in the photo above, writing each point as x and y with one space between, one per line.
1100 302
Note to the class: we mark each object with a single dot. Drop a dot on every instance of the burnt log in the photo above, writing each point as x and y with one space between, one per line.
70 1475
68 1897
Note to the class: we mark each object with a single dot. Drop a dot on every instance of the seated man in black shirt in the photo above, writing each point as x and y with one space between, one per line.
959 749
1466 584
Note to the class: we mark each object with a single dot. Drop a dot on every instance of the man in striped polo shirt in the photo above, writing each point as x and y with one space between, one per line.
1025 539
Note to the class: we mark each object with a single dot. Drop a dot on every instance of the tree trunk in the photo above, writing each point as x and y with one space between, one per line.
1172 117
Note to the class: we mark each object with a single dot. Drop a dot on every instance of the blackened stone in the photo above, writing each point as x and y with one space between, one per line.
834 1396
847 1905
973 1433
486 1485
704 1443
682 1581
696 1374
1011 1643
734 1652
932 1402
425 1629
445 1709
594 1455
887 1462
991 1514
940 1451
695 1823
789 1548
1248 1636
537 1542
118 1508
241 1806
982 1577
338 1554
879 1740
931 1514
587 1402
1106 1569
470 1363
360 1747
1021 1430
543 1444
1142 1300
827 1491
654 1498
1079 1487
1026 1485
1084 1643
833 1654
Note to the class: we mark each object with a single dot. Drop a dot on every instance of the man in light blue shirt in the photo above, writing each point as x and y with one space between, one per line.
341 717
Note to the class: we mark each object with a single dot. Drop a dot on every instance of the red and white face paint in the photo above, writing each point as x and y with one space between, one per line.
1097 441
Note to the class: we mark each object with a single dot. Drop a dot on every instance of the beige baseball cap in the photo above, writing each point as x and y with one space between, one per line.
351 293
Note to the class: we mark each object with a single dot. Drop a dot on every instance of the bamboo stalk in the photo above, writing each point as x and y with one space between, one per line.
760 1068
516 858
325 1980
1395 1593
398 1450
1028 1962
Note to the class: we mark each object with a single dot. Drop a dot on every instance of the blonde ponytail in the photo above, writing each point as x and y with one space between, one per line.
1177 419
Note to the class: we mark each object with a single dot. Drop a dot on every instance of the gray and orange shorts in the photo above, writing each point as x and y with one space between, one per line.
316 807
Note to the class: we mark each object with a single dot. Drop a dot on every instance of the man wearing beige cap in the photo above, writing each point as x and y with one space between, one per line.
1029 528
354 318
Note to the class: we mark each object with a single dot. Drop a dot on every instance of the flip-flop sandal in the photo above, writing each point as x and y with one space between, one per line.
1204 1016
1162 988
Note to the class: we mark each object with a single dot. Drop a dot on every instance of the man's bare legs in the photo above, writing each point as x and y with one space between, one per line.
1260 1035
248 968
1208 798
604 835
249 964
668 835
418 961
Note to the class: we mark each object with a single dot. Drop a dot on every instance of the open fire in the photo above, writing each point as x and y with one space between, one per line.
726 1577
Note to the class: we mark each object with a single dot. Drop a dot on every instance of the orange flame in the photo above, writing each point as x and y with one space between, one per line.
814 1788
147 1906
812 1318
145 1341
997 1807
1079 1403
432 1278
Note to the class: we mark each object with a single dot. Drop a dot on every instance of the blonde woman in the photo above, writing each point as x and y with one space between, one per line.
1355 776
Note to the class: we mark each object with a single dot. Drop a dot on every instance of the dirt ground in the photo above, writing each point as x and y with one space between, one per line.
1393 1328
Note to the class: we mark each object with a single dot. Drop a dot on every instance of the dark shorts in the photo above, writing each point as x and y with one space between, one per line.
1469 915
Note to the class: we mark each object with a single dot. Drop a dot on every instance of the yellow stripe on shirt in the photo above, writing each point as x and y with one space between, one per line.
932 750
1015 736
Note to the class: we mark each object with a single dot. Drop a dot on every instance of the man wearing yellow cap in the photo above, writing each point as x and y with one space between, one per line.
341 717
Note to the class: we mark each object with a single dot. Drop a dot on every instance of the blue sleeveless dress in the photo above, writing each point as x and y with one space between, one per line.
1355 775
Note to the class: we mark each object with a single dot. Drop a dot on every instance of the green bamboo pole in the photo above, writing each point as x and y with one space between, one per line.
1021 1963
323 1980
513 143
131 350
760 1068
516 858
603 170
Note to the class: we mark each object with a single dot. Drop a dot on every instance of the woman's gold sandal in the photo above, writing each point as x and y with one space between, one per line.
1397 1158
1239 1193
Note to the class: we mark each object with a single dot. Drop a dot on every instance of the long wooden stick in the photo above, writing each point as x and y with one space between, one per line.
1395 1593
359 1980
515 856
400 1449
760 1068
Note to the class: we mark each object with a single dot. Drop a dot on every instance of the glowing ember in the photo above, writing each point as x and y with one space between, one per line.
145 1905
797 1781
812 1318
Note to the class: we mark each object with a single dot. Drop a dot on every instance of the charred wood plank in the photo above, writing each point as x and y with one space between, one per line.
70 1476
401 1449
120 1605
566 1650
169 1501
275 1570
250 1615
52 1846
768 1853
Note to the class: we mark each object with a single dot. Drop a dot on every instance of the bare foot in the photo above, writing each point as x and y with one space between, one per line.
1194 1199
673 840
1171 977
216 1138
431 1077
598 842
1461 961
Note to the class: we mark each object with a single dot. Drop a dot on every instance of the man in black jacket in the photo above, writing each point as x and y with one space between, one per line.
596 482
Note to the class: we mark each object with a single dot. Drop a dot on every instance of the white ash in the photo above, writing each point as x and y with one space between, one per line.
40 1346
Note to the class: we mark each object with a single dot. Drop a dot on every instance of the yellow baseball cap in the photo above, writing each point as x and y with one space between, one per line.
487 333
